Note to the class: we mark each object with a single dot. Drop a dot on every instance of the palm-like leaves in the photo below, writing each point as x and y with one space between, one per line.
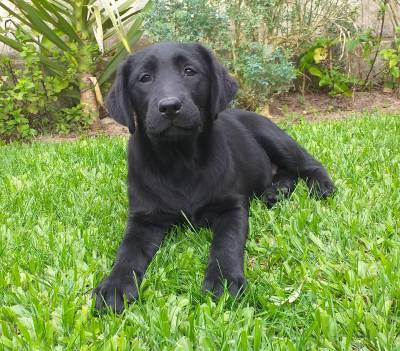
68 24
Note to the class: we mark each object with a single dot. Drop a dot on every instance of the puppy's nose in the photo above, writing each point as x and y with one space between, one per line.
170 107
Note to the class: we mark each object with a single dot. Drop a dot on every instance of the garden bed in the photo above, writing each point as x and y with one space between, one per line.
286 107
320 106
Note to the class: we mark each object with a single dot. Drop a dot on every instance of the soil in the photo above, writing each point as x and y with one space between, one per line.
317 106
290 106
108 128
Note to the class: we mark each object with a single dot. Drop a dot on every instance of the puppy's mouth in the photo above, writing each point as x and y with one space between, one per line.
175 131
172 130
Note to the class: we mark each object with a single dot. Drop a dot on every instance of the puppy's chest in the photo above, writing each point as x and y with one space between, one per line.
189 190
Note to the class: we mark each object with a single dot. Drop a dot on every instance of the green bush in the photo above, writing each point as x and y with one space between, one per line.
188 20
257 40
323 62
32 101
263 72
391 57
76 33
260 69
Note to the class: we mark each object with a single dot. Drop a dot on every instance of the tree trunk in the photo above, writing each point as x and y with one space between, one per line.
88 99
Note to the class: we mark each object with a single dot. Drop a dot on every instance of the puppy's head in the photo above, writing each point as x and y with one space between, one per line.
173 89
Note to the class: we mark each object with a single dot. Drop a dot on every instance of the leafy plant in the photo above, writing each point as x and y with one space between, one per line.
176 20
290 24
391 56
262 71
30 99
74 29
71 119
227 28
317 61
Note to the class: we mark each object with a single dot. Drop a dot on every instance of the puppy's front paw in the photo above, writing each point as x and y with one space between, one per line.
112 291
270 197
214 281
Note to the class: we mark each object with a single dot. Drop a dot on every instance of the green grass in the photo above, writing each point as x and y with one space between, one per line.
322 274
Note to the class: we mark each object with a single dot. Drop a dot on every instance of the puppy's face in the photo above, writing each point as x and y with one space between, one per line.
173 89
169 87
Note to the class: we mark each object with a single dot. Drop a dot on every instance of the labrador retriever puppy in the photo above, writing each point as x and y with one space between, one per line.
189 156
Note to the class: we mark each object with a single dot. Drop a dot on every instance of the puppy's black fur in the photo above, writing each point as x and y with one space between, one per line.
189 154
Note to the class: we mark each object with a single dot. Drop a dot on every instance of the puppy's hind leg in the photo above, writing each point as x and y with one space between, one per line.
283 184
289 155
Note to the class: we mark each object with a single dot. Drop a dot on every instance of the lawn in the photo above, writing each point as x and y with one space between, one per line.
321 274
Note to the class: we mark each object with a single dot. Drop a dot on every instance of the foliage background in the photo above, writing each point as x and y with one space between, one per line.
269 46
260 41
71 43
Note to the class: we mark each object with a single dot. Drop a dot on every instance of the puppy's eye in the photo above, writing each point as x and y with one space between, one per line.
145 77
189 71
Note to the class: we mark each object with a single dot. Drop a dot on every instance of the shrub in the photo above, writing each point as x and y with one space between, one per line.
256 39
263 72
188 21
31 100
261 69
323 61
76 33
391 57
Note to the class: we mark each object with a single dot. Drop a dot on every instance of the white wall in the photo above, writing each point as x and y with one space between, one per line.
3 18
368 17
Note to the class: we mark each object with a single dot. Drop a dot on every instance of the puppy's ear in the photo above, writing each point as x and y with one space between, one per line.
118 100
223 86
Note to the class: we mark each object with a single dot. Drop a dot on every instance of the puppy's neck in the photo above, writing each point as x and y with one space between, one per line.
175 149
167 153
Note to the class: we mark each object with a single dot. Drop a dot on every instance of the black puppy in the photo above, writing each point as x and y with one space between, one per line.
190 155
